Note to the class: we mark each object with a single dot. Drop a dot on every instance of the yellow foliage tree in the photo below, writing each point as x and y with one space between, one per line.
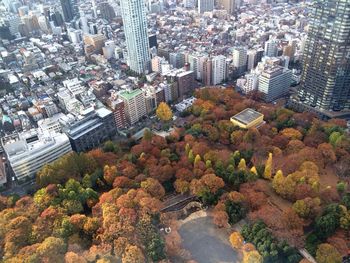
326 253
268 167
252 257
164 112
191 156
278 181
292 134
187 148
236 240
242 165
197 159
254 171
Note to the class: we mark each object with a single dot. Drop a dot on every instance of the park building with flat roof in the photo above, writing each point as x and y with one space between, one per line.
248 118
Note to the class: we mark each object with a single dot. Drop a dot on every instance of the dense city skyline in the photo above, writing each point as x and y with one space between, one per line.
192 131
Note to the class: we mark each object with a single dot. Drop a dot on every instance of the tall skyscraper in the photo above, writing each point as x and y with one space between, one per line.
135 29
325 81
69 10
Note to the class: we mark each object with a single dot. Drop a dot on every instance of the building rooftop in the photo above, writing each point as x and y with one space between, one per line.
103 112
247 116
31 143
130 94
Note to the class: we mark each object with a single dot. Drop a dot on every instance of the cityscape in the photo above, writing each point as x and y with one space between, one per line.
175 131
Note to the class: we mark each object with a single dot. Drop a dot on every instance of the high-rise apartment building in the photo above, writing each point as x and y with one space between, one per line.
136 35
177 59
205 6
117 105
271 48
135 105
218 69
239 61
325 81
193 60
185 83
206 69
251 59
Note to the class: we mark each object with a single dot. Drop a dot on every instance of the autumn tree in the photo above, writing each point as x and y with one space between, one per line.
326 253
308 207
71 165
153 187
52 249
220 218
268 167
278 182
292 134
327 152
191 156
236 240
133 254
252 257
253 170
242 165
208 183
72 257
164 112
110 173
181 186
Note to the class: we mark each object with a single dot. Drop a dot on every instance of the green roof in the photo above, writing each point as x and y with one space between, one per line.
130 94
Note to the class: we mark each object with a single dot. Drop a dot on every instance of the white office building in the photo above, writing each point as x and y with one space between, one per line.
274 82
218 69
28 152
136 35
